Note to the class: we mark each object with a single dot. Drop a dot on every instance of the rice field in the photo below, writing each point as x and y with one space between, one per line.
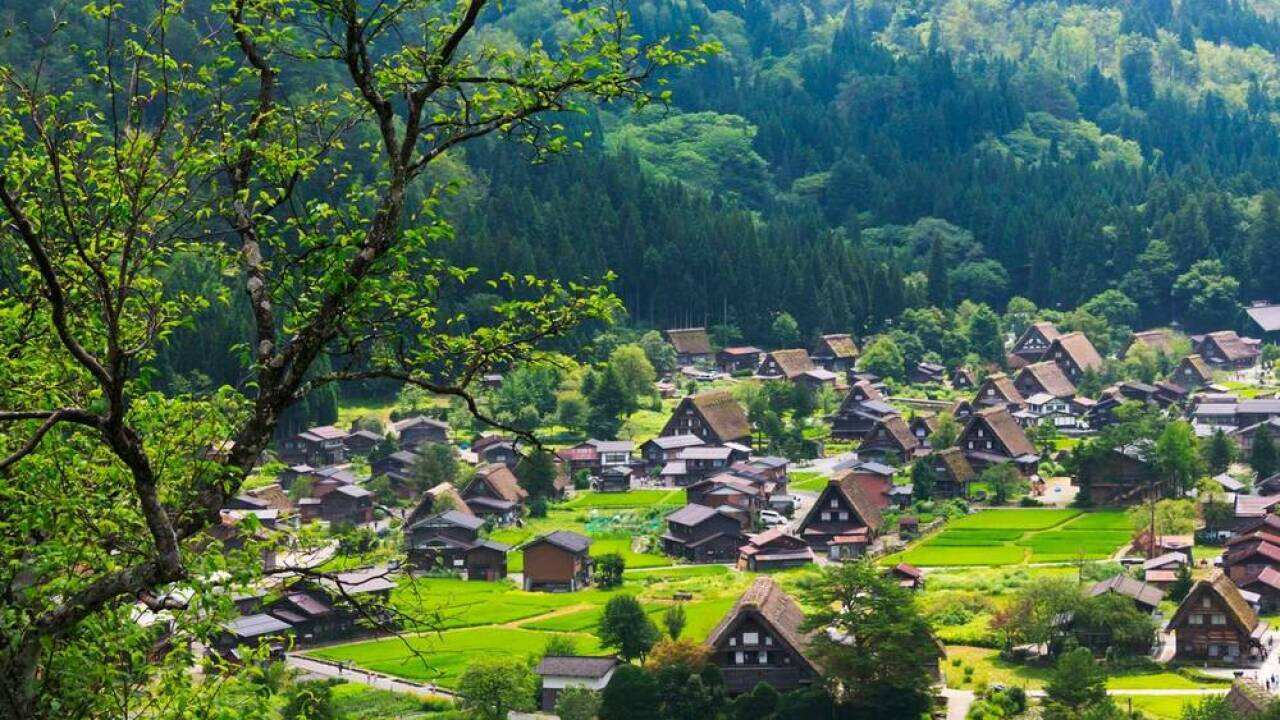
1012 537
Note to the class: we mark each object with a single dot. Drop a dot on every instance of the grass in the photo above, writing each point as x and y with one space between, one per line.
441 658
988 667
1157 707
806 480
1011 537
589 500
357 701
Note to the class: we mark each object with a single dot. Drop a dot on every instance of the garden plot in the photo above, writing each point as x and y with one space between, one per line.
1012 537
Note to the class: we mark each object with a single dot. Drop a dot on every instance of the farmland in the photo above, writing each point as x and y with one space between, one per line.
1013 537
470 620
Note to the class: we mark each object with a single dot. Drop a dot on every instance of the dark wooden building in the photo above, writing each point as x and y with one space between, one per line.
495 493
997 390
836 352
1192 373
859 412
421 430
785 364
761 640
744 358
992 436
952 473
1033 343
715 417
1226 349
1075 354
842 509
558 672
1214 624
773 550
317 447
559 560
1044 377
698 533
451 541
889 439
692 345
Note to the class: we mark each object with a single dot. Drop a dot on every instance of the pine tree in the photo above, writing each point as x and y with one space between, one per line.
923 480
1262 458
608 401
1220 452
939 282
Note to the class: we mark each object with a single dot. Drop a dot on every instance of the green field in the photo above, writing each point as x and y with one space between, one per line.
989 668
806 480
588 500
1012 537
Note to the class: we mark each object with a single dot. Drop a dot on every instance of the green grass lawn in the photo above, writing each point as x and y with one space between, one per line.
1156 707
988 667
441 658
589 500
806 480
1011 537
357 701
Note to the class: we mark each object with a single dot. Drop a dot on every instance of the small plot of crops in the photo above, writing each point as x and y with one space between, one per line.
1011 537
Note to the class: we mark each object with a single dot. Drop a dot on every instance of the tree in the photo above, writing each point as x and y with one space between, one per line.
1135 67
1173 517
1003 481
634 370
1077 682
436 463
608 401
1262 456
1176 458
883 357
669 651
559 646
310 700
577 703
674 620
1207 295
1030 616
946 433
1181 583
923 480
1219 453
537 474
493 687
632 694
661 355
626 628
873 645
785 331
761 702
985 337
111 174
609 568
938 282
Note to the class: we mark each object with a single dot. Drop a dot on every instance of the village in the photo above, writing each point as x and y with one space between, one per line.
965 503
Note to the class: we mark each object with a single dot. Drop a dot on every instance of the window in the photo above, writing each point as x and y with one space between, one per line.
826 516
750 638
457 563
1219 619
1205 601
768 639
1195 619
835 502
844 516
732 641
970 444
762 657
739 658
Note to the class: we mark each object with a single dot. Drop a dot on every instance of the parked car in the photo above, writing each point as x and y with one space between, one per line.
772 518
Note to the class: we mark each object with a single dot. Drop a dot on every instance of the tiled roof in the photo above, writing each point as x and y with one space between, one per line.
576 666
1124 585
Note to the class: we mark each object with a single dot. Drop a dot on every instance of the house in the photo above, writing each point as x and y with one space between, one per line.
927 372
891 438
764 470
361 442
274 497
729 490
773 550
836 352
558 672
490 449
343 504
596 455
702 461
313 616
991 436
1044 377
760 640
1162 571
743 358
951 471
451 541
860 410
1075 354
962 409
1162 340
1266 585
908 576
1265 315
252 631
1248 554
784 364
439 499
921 427
495 493
659 451
1145 597
398 466
818 378
615 478
1226 349
420 430
559 560
1192 372
698 533
1247 697
713 416
842 510
1214 623
1121 477
318 447
692 345
1033 344
1246 435
964 378
998 390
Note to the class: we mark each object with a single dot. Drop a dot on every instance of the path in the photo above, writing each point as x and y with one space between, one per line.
958 703
364 677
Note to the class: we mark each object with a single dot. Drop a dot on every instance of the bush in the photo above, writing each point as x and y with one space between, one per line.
1028 501
538 507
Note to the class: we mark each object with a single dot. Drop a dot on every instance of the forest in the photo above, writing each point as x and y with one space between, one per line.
841 162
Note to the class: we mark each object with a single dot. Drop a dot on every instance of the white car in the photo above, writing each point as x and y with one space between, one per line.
772 518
